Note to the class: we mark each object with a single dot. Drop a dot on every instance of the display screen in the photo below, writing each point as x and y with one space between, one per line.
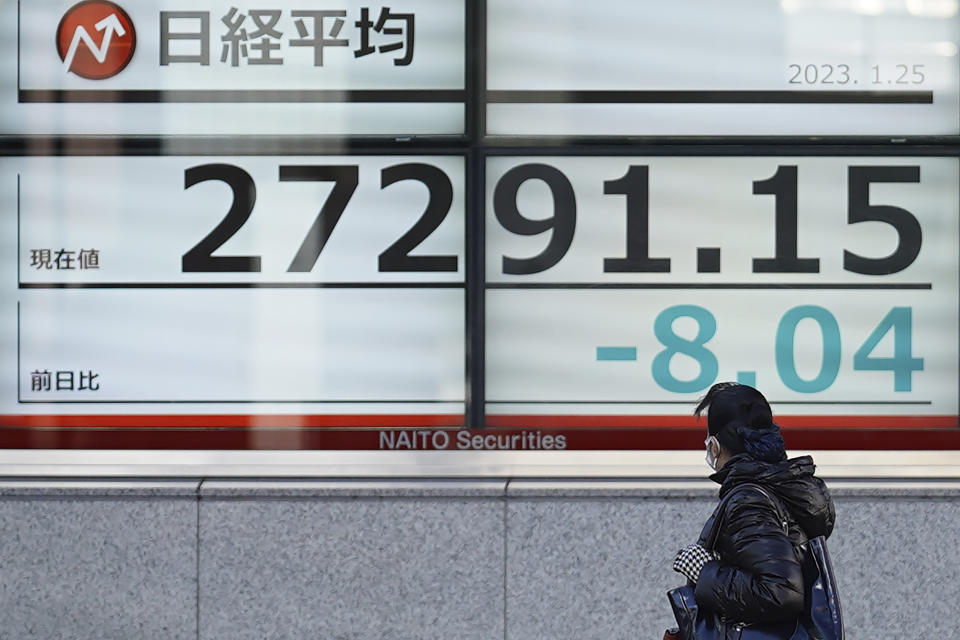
330 288
620 288
178 67
732 68
475 226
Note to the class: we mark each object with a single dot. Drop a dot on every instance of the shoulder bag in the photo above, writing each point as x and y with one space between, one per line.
820 620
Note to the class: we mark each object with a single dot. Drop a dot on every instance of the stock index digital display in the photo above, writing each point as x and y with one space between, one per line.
627 286
479 225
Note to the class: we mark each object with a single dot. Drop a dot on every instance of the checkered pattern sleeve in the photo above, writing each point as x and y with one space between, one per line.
690 561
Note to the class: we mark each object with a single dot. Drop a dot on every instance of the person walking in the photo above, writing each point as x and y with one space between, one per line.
770 507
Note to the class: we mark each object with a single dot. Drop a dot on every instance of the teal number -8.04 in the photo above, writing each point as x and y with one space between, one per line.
706 329
899 320
903 364
830 362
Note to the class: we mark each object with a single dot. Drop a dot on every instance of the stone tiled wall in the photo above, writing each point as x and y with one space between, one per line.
423 559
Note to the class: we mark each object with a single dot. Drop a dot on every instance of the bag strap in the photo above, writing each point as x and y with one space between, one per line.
720 514
777 505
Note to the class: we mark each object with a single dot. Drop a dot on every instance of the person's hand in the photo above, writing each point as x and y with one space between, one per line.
690 561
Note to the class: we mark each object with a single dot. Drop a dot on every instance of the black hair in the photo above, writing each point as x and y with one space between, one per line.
741 419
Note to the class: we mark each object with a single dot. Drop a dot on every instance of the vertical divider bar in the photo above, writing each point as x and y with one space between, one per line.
19 370
475 79
18 50
478 63
19 255
506 559
475 290
199 599
19 283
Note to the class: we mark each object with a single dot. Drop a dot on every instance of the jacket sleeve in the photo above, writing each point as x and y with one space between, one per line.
759 577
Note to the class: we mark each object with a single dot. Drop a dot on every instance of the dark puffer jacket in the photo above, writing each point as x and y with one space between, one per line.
759 577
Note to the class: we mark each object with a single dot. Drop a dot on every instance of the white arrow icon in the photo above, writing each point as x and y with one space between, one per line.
109 26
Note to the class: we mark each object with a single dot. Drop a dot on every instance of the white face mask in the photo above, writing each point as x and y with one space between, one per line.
713 451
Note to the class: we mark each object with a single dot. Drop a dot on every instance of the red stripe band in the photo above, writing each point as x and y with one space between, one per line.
199 421
408 432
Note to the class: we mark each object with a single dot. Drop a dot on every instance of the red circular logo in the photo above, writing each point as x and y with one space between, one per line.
96 39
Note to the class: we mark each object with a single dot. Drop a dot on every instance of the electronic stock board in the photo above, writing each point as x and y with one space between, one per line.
473 226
